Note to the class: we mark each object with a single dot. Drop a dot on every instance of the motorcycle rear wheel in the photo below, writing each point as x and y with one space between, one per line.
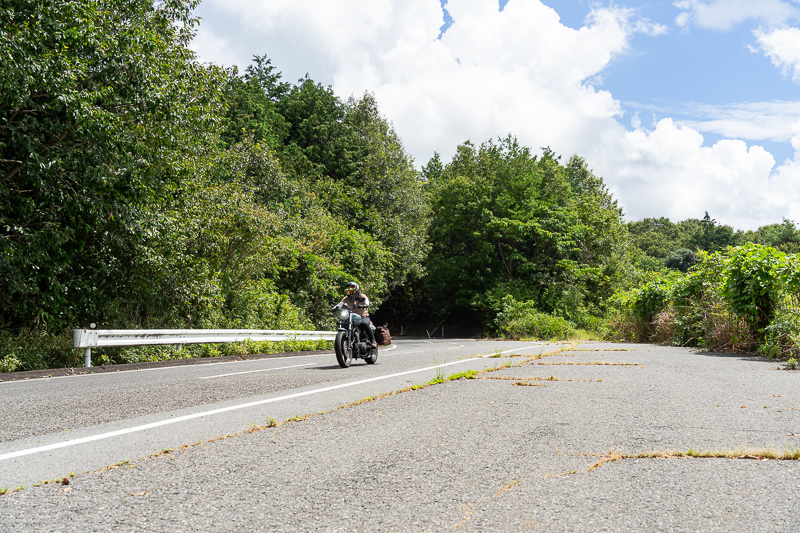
340 346
372 357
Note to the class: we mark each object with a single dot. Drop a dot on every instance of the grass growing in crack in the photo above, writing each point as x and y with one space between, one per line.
593 363
763 454
601 350
571 472
611 457
467 374
300 418
440 378
505 487
511 378
6 490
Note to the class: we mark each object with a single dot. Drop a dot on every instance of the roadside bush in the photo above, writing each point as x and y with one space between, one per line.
523 320
36 349
742 299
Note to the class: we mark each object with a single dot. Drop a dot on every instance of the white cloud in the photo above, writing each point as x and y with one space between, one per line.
782 46
209 47
521 71
668 172
755 121
723 14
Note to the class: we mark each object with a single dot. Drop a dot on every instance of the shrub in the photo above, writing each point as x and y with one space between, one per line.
682 260
755 278
9 363
741 299
36 349
522 319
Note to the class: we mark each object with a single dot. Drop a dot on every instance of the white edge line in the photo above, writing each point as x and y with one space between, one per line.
37 380
193 365
126 431
252 371
524 348
161 423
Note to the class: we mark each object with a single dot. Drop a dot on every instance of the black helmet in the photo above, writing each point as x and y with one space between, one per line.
352 289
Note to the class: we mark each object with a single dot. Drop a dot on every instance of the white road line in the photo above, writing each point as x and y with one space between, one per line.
161 423
524 348
456 348
252 371
201 365
134 429
191 365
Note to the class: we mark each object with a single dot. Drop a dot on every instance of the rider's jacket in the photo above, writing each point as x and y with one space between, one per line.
361 299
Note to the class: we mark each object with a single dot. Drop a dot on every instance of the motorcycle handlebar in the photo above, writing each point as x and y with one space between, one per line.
335 307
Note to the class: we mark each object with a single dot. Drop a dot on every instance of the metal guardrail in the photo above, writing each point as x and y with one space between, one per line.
98 338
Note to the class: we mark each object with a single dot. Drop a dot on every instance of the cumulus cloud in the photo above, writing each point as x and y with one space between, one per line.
782 46
668 171
521 71
723 14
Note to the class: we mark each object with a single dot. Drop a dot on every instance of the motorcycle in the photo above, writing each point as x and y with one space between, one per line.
351 343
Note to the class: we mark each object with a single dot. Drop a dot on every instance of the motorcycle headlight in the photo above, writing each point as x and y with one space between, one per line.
343 314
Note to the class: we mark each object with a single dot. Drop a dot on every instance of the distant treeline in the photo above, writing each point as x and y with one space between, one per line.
142 189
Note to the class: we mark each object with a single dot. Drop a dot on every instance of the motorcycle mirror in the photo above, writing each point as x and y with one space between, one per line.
332 302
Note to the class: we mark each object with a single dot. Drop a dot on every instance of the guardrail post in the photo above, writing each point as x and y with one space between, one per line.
87 358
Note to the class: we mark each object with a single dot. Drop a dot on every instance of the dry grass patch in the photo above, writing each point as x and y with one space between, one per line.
593 363
505 487
762 454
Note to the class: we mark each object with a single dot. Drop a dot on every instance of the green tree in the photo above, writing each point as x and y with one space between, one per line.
508 223
784 237
656 237
682 259
712 237
102 108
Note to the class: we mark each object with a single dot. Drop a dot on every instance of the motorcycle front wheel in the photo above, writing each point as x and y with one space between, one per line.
343 355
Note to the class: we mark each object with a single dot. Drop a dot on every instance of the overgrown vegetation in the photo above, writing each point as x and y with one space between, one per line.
740 299
142 189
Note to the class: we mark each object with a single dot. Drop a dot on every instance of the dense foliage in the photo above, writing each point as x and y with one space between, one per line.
509 224
96 119
142 189
744 298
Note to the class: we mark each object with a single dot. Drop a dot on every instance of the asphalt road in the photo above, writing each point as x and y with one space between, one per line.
91 421
486 454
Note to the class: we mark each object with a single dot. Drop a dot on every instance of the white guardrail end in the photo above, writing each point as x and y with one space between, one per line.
93 338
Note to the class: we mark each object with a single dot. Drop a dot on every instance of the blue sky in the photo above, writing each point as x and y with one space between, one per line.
682 106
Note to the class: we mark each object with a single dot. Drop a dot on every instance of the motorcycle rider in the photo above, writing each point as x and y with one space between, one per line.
354 297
